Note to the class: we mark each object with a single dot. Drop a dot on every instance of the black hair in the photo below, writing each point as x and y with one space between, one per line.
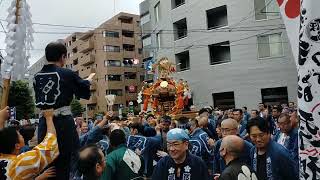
209 109
183 120
87 164
8 140
262 124
183 123
166 118
245 108
203 110
150 115
117 137
256 111
240 110
54 51
115 118
27 132
278 108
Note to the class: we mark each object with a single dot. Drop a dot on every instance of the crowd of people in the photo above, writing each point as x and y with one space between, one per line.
231 144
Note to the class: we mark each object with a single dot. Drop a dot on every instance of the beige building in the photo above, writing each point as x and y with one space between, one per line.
113 52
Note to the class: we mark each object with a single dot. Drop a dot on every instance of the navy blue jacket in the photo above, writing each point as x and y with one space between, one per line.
219 164
291 143
199 145
148 147
55 87
279 163
193 168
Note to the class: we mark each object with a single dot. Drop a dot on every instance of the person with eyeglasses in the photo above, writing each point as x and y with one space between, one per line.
269 159
229 127
288 136
231 150
180 164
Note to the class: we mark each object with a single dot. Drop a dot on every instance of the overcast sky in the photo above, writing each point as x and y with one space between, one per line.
89 13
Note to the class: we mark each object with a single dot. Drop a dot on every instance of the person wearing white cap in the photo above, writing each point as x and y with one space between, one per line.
180 164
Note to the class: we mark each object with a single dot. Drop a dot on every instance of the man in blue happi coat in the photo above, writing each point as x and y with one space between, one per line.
287 136
55 88
146 146
199 143
229 127
180 164
269 159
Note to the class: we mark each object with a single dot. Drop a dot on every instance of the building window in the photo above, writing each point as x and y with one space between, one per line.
274 96
130 75
127 62
224 100
112 34
177 3
145 18
270 45
180 28
157 12
220 53
127 33
75 62
217 17
158 36
128 47
91 107
117 92
108 48
146 41
112 63
183 61
266 9
114 77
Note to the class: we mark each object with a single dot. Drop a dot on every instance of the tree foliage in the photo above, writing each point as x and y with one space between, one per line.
20 96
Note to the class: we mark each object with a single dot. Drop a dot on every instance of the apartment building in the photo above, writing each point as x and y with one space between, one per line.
114 52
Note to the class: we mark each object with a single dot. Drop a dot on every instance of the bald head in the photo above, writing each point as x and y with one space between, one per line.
233 144
230 123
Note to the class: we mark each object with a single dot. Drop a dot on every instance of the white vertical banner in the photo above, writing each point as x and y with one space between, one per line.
302 20
18 41
290 11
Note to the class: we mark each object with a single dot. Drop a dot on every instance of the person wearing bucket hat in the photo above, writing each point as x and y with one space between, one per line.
180 164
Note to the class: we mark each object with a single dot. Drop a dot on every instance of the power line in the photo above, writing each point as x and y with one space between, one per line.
107 28
164 31
193 47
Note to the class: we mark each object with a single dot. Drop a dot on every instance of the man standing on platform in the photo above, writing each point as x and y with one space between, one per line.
55 88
